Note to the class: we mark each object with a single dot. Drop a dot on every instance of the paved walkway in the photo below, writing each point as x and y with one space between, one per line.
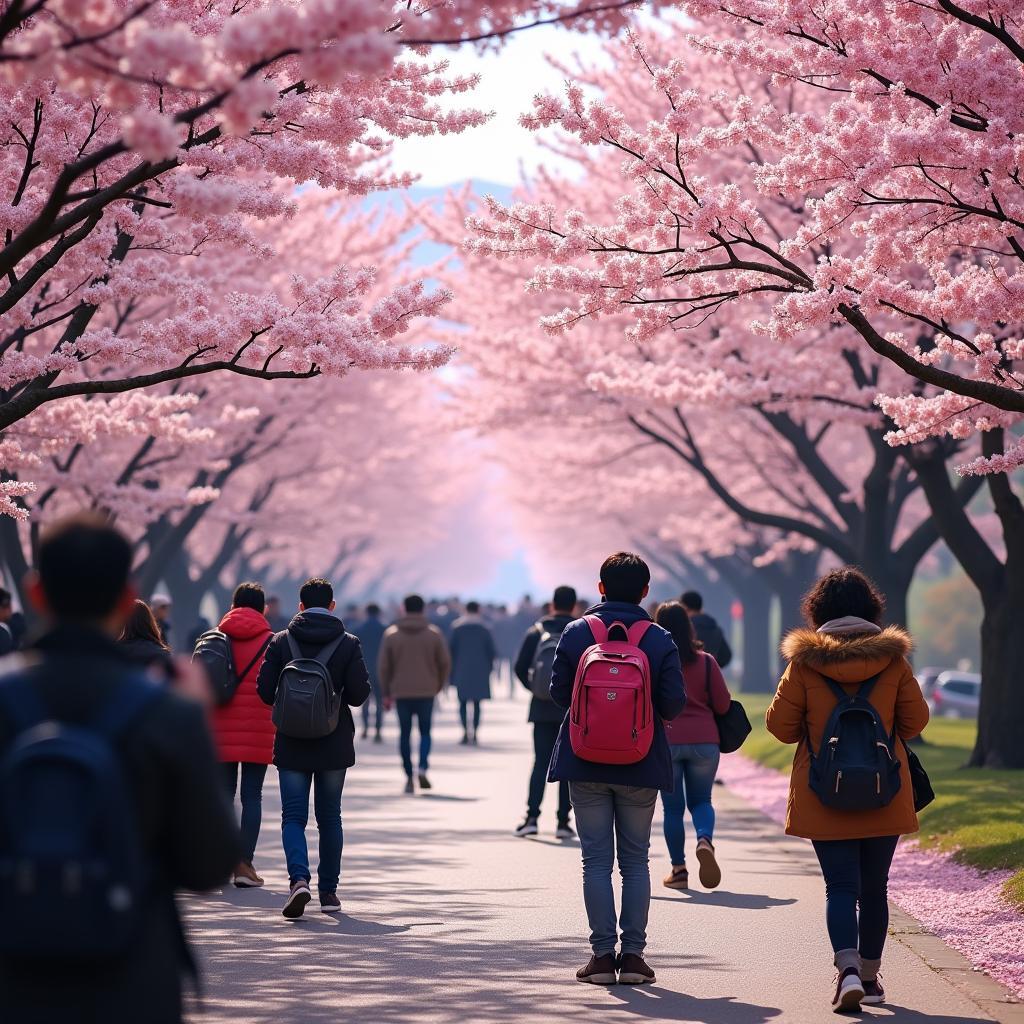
449 918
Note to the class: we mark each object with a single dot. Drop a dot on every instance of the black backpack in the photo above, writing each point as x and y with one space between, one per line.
855 768
74 876
213 651
306 706
543 661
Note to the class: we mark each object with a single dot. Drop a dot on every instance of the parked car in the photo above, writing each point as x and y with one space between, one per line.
928 677
956 695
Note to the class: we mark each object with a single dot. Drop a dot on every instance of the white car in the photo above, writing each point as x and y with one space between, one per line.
956 695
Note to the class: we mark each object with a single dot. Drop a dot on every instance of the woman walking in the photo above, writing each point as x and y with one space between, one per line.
693 738
142 643
845 652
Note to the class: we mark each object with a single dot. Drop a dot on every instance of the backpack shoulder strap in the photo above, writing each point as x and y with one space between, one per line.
597 628
128 702
839 693
638 631
293 646
867 686
326 653
259 654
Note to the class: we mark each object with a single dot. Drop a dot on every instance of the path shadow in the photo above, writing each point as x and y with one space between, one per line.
656 1003
433 795
903 1015
346 925
723 898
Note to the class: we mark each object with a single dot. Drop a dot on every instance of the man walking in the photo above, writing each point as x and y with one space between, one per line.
708 631
533 669
473 653
316 635
371 633
126 773
614 803
414 667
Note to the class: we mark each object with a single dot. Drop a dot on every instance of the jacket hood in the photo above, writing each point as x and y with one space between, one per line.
556 622
244 623
847 658
613 611
315 627
413 623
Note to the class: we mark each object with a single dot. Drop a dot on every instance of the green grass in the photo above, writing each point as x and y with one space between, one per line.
978 814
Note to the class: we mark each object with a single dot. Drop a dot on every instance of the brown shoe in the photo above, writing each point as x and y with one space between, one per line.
677 878
634 970
246 877
710 873
600 970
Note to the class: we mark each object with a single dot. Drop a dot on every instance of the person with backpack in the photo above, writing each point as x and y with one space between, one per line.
371 632
849 700
533 669
618 676
414 666
708 631
123 778
473 653
241 724
312 674
693 738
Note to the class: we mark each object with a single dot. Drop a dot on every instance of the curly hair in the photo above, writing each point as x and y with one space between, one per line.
845 591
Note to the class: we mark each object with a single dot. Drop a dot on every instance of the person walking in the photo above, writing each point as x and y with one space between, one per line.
119 750
472 652
242 727
844 652
614 803
320 763
414 667
371 632
533 667
161 605
142 643
708 631
693 740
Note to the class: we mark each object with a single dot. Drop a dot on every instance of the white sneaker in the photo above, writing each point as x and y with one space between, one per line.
528 828
565 831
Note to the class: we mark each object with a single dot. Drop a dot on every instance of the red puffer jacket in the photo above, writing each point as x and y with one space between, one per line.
243 729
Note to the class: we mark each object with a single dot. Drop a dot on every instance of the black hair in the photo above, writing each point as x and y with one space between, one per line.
673 616
316 593
472 607
625 577
841 592
84 564
413 604
692 600
142 626
249 595
373 609
564 599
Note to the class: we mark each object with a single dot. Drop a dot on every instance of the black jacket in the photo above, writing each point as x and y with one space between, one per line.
313 631
540 710
187 826
710 634
667 694
148 654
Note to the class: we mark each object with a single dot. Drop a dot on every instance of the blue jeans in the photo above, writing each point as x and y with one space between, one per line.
610 817
327 788
422 708
857 873
252 800
694 766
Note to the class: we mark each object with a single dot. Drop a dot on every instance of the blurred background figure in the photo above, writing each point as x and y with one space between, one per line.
142 643
371 632
473 653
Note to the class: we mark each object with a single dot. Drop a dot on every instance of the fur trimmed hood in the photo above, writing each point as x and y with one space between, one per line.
808 647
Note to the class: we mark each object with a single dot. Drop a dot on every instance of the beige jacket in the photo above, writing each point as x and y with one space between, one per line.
414 659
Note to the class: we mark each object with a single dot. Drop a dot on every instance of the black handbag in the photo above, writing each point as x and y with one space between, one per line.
734 726
919 781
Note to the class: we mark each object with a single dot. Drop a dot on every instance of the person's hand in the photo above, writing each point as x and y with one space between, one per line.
388 703
190 680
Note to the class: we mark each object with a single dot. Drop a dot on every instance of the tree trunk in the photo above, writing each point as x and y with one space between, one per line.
757 641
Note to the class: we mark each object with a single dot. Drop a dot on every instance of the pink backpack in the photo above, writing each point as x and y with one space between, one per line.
611 718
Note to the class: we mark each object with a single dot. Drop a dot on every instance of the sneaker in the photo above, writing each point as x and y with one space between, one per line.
245 877
298 897
873 992
849 991
464 742
475 740
677 878
710 873
599 971
409 787
528 828
634 970
377 738
565 831
329 903
424 781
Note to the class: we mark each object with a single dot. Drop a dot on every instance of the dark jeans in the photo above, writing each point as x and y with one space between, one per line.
327 787
694 766
422 709
252 800
464 713
378 707
857 872
544 736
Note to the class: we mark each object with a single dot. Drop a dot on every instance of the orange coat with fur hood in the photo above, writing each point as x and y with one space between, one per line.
803 703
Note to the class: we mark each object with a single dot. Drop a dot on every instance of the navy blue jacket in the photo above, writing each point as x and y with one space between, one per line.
667 693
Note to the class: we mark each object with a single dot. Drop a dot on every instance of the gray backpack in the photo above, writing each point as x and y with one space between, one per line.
543 662
306 706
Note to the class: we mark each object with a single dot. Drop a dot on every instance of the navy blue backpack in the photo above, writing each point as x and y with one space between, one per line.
74 879
855 768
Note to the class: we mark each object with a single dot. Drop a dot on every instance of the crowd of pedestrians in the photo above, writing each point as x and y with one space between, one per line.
144 754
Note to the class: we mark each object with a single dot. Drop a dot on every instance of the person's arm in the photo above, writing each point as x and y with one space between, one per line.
384 666
356 682
912 712
720 696
201 843
527 650
567 658
724 650
786 717
444 661
270 672
670 690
